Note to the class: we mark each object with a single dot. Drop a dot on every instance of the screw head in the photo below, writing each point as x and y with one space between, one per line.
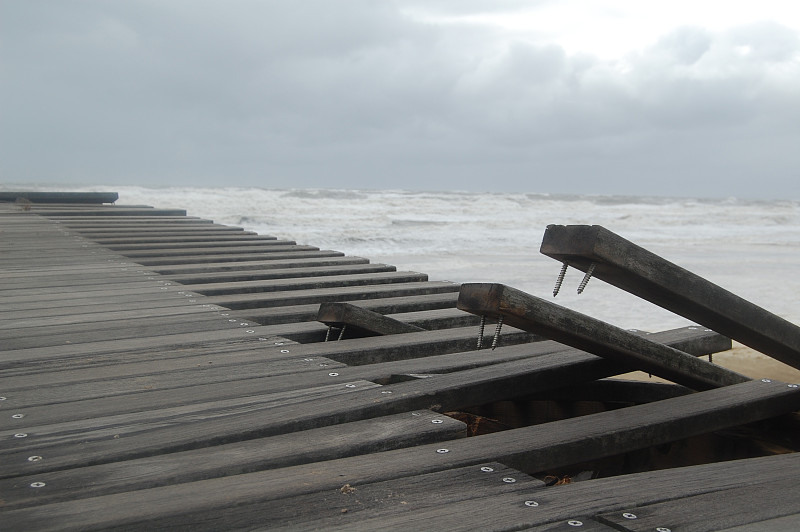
349 385
437 421
793 386
20 435
442 451
663 529
386 392
509 480
532 504
34 458
38 484
333 374
574 522
17 416
286 351
766 380
628 515
487 469
249 331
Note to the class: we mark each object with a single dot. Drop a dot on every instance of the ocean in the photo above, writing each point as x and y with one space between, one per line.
751 248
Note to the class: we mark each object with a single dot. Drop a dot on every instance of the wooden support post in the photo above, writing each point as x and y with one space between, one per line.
354 317
645 274
572 328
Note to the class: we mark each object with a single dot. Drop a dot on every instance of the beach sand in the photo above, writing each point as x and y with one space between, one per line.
743 360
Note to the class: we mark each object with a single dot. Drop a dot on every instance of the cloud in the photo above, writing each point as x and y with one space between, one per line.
311 94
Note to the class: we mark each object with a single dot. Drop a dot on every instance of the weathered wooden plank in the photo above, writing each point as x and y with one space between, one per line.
533 314
348 505
268 246
787 523
184 500
26 338
306 283
68 444
291 252
61 197
323 295
326 443
346 315
159 239
290 313
333 259
645 274
278 273
119 210
65 390
760 500
214 245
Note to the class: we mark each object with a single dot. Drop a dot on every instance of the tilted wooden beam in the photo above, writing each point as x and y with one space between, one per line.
357 318
643 273
536 315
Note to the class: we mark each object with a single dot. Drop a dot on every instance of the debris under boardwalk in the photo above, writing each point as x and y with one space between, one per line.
163 371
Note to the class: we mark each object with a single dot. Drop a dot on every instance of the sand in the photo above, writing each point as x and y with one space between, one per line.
743 360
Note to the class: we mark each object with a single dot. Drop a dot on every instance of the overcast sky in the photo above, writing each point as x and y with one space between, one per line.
679 98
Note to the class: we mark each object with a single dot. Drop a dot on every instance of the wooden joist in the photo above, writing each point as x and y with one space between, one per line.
643 273
533 314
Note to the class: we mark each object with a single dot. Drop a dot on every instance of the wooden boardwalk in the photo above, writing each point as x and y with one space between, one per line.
159 371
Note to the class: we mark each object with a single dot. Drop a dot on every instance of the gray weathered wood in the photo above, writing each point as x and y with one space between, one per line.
360 320
602 433
61 197
533 314
645 274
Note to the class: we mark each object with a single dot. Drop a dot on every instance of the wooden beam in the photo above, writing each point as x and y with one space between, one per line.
640 272
61 197
359 319
536 315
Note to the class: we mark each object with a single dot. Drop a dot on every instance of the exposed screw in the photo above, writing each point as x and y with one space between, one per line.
349 385
442 451
2 398
333 374
532 504
286 351
766 380
34 458
17 416
437 421
487 469
574 522
480 332
386 392
497 332
20 435
586 278
328 333
509 480
663 529
560 279
793 386
341 333
628 515
38 484
250 331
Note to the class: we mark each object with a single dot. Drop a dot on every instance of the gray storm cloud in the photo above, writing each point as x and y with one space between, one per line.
360 94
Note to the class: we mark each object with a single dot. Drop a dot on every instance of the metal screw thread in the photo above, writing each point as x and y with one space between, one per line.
560 279
586 278
328 333
497 332
480 331
341 332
